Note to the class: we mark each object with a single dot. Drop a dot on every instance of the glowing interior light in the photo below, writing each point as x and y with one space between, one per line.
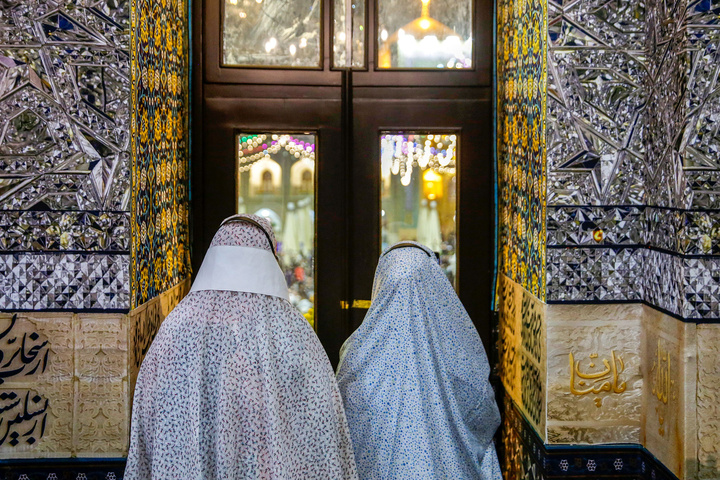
303 42
424 23
384 35
293 49
272 43
242 14
429 42
424 160
341 36
234 2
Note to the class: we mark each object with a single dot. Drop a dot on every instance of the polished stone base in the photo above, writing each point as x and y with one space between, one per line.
524 456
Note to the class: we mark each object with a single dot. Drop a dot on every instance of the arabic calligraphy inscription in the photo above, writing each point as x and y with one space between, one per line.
591 379
23 412
23 417
21 354
662 385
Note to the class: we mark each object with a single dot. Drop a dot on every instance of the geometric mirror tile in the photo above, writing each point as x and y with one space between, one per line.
64 154
74 281
633 153
576 226
594 274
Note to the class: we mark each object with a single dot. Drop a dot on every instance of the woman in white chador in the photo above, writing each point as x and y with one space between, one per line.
290 241
236 385
414 378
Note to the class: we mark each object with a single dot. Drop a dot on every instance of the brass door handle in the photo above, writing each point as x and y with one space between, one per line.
360 304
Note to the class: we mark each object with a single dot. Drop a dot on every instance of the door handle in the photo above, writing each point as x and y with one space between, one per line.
360 304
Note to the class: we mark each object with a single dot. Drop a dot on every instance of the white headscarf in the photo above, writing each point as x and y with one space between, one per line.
236 384
414 378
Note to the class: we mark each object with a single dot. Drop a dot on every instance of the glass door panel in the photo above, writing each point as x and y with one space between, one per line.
419 192
274 33
429 34
276 180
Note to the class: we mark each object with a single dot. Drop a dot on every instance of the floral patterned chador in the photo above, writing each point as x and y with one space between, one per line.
414 378
236 385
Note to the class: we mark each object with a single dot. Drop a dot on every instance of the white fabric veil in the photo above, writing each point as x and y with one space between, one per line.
414 378
236 385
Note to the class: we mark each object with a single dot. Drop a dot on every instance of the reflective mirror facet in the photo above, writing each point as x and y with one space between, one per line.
419 192
280 33
276 180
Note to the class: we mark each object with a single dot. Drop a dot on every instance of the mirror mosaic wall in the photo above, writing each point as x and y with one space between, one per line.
93 217
633 154
64 155
632 265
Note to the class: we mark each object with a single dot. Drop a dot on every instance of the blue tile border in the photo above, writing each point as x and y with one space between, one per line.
62 469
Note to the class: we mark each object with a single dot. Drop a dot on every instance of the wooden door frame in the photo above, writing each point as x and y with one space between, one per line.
224 94
325 75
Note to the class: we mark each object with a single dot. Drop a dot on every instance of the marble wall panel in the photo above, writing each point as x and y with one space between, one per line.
509 336
708 401
101 391
36 393
65 387
522 351
594 379
669 369
533 360
101 418
144 323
